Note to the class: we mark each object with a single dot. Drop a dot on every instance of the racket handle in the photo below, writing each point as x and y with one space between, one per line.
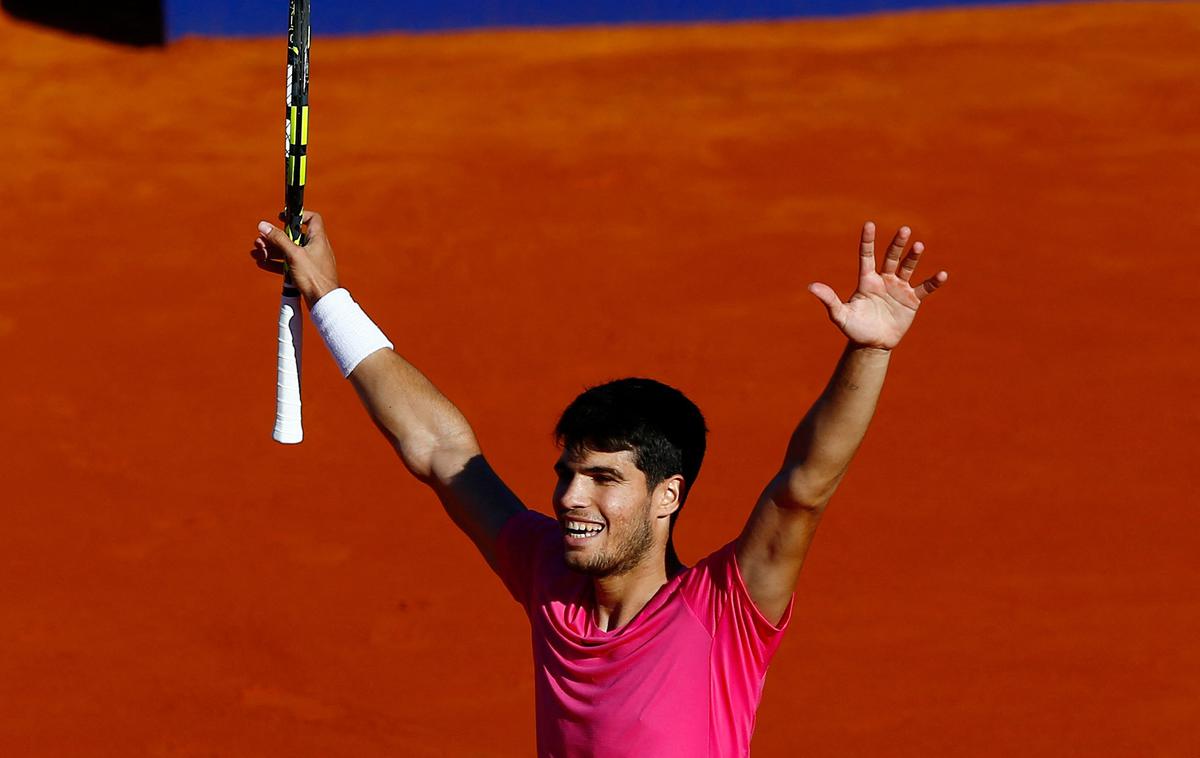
288 427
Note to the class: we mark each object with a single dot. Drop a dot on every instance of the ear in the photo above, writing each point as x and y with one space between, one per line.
667 496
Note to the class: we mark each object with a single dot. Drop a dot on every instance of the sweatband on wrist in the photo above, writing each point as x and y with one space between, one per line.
348 332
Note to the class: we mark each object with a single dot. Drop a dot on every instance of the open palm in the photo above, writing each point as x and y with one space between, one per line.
885 302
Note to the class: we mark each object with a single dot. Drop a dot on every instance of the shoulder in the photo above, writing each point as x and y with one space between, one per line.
524 548
701 583
526 534
714 589
528 522
713 568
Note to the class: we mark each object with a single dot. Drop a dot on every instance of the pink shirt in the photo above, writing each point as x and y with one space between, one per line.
683 678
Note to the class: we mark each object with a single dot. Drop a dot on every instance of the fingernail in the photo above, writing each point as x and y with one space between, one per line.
264 227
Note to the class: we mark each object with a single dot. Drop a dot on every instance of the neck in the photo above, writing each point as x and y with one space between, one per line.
619 598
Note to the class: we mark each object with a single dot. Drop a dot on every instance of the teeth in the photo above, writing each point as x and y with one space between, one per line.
580 528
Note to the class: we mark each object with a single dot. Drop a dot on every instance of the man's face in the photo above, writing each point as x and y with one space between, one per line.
604 511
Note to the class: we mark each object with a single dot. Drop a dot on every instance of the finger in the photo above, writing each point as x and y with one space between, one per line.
911 260
830 300
833 305
283 219
268 252
928 286
275 267
306 217
311 223
892 260
276 241
261 247
316 224
825 294
866 250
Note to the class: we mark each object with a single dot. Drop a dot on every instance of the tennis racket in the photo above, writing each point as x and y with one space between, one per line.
288 425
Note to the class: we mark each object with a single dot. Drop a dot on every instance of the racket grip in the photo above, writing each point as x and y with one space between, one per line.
288 427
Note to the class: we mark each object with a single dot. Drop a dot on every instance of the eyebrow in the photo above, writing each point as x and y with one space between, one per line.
603 471
562 468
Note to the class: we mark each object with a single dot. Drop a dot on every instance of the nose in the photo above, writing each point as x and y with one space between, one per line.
570 493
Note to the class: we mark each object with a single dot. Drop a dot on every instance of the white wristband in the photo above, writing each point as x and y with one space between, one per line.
348 332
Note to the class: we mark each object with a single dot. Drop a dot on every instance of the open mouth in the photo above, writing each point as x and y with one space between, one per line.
582 530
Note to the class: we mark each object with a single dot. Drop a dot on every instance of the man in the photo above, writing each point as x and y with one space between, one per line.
634 654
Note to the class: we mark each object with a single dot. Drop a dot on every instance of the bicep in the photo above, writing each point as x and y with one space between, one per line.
478 502
772 547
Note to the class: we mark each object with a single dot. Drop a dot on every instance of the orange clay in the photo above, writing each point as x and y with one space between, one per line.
1010 568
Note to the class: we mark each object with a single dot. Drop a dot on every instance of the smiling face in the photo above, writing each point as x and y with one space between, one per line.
611 522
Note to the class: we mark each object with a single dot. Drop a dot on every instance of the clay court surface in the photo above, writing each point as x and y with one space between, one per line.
1011 568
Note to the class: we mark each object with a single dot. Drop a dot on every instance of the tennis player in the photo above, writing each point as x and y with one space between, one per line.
634 653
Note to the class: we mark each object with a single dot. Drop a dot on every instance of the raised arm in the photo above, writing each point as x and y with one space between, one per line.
773 544
428 432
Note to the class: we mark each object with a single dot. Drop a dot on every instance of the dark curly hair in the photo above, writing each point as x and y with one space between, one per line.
662 428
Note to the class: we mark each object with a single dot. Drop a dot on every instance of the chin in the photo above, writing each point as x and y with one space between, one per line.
603 565
612 559
583 565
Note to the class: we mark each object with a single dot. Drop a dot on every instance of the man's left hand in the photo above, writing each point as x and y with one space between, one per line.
885 303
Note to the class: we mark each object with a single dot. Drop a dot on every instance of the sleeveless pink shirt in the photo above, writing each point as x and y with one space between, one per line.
683 678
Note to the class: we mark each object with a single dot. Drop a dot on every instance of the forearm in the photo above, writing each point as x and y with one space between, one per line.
429 433
827 438
431 436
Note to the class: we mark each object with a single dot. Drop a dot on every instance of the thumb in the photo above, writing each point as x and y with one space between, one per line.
825 294
833 304
276 239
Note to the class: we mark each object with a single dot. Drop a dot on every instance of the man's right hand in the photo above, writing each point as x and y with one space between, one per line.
313 267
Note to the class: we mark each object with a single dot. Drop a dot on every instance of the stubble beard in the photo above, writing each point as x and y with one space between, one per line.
622 560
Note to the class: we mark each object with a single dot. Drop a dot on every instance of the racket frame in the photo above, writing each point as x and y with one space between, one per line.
289 428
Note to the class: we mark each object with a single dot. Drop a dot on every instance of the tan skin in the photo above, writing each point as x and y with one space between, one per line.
630 556
609 491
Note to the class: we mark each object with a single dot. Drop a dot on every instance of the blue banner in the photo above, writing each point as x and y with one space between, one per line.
268 17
